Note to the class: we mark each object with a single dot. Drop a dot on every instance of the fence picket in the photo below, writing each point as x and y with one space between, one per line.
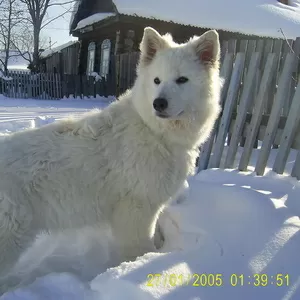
296 167
242 109
227 111
288 133
207 147
258 110
284 80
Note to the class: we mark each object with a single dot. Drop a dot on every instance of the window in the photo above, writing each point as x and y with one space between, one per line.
105 58
91 58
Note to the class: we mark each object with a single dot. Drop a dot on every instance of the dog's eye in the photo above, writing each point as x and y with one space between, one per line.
156 80
181 79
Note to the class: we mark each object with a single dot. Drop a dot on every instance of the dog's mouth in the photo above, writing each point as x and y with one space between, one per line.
167 116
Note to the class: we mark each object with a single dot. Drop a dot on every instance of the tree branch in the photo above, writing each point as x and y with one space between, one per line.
57 17
62 3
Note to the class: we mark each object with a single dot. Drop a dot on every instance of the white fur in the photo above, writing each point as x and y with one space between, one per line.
85 252
118 166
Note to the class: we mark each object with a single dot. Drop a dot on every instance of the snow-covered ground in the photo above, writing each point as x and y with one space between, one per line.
231 235
19 114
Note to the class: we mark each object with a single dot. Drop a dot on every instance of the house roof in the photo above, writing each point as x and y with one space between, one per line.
49 52
266 18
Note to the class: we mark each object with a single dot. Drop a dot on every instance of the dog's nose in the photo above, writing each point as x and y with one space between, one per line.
160 104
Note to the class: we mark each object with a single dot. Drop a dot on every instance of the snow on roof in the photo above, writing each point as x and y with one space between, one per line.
258 17
254 17
49 52
74 11
93 19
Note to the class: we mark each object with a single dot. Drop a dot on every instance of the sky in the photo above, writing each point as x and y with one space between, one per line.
58 30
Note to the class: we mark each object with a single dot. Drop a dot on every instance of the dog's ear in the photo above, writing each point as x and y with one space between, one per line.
207 48
151 43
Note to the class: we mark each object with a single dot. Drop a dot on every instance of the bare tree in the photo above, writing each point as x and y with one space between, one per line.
37 10
23 42
11 19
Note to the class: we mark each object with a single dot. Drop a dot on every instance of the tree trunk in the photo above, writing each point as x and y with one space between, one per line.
36 42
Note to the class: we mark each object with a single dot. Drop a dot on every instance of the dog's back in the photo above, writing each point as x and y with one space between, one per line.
120 165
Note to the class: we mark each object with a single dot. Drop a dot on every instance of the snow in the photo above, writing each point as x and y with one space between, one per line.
49 52
93 19
16 62
257 17
20 114
224 222
2 76
96 76
74 12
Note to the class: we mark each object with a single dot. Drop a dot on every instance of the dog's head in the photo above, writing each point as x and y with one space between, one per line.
178 82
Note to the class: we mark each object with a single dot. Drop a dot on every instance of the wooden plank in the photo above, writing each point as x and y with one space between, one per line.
232 46
288 134
259 48
22 90
47 85
268 49
275 114
296 167
257 112
42 83
23 85
227 111
224 50
51 81
3 86
20 86
243 46
260 45
29 86
271 94
38 85
17 84
287 48
55 85
262 132
250 49
242 109
12 86
225 73
57 76
46 82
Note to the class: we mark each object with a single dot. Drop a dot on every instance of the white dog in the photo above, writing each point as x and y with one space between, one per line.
118 166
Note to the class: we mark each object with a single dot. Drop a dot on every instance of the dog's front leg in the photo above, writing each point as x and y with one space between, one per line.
133 225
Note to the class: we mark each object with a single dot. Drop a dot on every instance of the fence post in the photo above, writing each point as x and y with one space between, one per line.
227 111
260 101
275 114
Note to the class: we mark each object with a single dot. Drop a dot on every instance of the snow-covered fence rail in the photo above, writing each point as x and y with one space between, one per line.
261 102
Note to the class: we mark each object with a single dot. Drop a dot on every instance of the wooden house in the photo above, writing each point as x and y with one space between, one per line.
63 59
111 27
105 29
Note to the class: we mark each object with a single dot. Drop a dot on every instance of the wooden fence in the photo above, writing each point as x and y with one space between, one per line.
22 84
126 63
126 70
261 101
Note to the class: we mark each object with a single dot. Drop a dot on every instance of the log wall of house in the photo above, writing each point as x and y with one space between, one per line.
63 62
126 32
